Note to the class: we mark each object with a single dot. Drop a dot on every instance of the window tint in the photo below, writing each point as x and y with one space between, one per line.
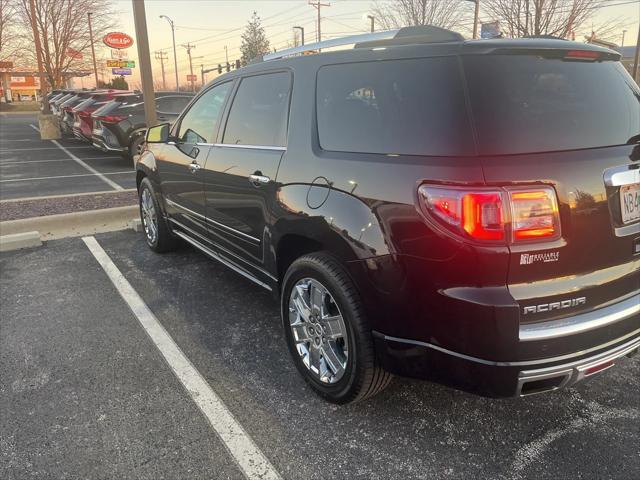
259 112
174 104
411 107
200 122
531 104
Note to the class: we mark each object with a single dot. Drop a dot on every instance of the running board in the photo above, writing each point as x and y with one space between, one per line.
210 253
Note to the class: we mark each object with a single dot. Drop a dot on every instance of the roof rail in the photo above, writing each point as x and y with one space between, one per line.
335 42
401 36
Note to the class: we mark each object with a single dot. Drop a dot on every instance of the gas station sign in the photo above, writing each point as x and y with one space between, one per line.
121 63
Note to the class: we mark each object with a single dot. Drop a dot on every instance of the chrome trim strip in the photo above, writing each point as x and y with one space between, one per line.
575 371
511 364
226 252
207 219
622 175
233 230
250 147
177 205
190 230
627 230
217 257
582 322
335 42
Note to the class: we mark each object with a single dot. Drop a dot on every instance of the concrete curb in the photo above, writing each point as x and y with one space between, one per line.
74 224
18 241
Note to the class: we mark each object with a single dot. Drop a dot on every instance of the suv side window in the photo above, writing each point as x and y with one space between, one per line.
199 124
260 110
410 107
174 104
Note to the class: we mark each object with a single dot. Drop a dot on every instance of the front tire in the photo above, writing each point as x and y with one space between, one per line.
155 226
327 332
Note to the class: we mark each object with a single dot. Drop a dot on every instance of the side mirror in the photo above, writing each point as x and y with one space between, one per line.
158 134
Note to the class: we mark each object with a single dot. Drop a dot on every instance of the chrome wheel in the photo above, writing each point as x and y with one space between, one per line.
318 330
149 216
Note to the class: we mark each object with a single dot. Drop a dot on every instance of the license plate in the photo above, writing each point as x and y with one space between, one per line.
630 202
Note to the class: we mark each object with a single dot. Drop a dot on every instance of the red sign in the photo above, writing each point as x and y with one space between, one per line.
192 78
72 53
117 40
6 64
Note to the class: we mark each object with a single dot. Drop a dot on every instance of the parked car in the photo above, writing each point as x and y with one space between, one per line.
461 211
120 125
55 102
65 112
82 120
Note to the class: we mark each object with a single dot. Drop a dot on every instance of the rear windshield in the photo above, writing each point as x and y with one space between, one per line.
524 104
411 107
518 104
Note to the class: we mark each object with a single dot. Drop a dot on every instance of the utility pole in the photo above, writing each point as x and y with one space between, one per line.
175 56
162 56
301 33
144 57
226 53
93 51
318 5
476 17
637 59
373 22
202 74
188 46
623 34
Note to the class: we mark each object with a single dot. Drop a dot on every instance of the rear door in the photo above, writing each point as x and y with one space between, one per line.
241 170
180 162
574 125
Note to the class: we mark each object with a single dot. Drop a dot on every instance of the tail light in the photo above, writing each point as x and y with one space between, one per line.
111 118
582 55
498 216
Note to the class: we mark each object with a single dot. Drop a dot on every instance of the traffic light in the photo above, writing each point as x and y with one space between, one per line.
228 67
219 69
237 64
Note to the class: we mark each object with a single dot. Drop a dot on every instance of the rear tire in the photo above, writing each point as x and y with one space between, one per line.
155 226
327 332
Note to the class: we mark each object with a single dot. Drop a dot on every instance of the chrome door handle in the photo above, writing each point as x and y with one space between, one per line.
259 179
194 167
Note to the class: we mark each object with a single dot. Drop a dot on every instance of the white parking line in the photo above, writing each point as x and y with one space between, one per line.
10 150
253 463
28 162
112 184
68 176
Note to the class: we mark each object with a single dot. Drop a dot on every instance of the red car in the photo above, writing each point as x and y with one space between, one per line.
82 121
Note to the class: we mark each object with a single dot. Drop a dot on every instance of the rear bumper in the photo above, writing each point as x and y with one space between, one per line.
543 368
499 378
99 142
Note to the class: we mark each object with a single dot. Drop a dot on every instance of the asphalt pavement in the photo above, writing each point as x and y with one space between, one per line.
30 167
85 392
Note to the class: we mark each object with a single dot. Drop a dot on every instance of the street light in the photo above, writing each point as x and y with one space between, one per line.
301 33
175 56
373 22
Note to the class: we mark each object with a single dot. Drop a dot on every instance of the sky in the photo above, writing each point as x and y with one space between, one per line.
211 25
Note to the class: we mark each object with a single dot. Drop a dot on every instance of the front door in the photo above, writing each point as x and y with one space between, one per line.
240 173
182 160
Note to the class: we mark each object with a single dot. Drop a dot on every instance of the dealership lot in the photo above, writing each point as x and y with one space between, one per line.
30 167
86 393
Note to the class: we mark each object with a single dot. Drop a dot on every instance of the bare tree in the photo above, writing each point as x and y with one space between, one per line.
405 13
63 28
9 43
558 18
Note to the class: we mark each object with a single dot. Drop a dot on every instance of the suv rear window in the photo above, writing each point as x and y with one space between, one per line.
525 104
410 107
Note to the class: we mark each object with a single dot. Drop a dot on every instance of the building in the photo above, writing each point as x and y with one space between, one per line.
628 55
23 87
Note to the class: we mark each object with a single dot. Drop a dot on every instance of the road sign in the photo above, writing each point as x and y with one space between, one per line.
121 64
192 78
117 40
121 71
73 53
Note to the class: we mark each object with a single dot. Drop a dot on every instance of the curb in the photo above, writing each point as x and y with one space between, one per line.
74 224
19 241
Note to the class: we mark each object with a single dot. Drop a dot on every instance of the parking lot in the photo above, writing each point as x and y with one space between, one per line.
31 167
106 371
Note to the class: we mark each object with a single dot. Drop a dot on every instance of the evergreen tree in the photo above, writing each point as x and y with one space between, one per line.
254 40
